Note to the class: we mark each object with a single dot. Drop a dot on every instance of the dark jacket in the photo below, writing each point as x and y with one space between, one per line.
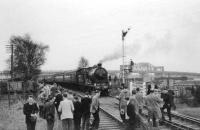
131 113
77 109
49 109
58 99
166 98
30 109
85 103
134 118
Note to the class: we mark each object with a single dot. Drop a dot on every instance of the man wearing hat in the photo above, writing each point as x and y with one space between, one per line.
123 98
77 113
167 104
140 99
86 102
133 112
153 103
94 109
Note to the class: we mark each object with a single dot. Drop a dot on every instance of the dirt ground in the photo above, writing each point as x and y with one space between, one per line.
190 111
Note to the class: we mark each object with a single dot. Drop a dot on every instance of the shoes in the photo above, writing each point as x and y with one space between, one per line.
163 119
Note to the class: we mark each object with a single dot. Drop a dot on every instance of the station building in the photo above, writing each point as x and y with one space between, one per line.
144 74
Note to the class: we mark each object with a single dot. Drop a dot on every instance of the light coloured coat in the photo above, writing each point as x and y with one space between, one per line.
153 102
66 108
122 100
95 104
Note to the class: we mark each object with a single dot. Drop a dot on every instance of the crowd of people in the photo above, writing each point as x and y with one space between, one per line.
73 111
132 105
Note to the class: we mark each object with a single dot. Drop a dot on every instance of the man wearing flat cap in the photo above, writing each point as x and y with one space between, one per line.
123 98
95 110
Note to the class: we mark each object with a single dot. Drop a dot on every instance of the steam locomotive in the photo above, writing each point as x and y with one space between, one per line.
84 79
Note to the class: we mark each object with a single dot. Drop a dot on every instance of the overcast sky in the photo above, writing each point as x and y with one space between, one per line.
163 32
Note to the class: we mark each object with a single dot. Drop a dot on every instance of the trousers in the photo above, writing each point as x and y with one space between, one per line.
85 121
95 123
30 125
50 125
67 124
77 122
168 107
123 117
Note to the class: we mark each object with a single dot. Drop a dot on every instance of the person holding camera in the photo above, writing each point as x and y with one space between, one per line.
30 110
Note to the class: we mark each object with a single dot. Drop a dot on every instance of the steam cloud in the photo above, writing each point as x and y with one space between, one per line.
130 49
162 45
153 45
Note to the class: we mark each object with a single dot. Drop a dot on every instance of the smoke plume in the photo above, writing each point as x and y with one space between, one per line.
130 49
158 45
149 44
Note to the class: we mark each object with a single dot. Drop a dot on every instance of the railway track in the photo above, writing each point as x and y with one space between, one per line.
107 120
185 122
109 123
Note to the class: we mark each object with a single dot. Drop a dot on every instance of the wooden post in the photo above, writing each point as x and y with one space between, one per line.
8 86
11 74
168 81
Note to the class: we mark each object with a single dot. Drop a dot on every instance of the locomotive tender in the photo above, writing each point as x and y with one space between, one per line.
84 79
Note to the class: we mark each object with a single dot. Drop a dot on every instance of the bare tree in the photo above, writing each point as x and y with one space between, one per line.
83 62
28 57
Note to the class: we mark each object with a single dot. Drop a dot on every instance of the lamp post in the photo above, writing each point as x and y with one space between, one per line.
123 54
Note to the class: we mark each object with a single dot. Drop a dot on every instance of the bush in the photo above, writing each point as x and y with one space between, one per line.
3 87
196 94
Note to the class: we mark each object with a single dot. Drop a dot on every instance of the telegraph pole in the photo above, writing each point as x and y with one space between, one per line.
11 72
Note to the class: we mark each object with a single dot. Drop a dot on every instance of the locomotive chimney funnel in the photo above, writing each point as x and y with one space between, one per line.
99 64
